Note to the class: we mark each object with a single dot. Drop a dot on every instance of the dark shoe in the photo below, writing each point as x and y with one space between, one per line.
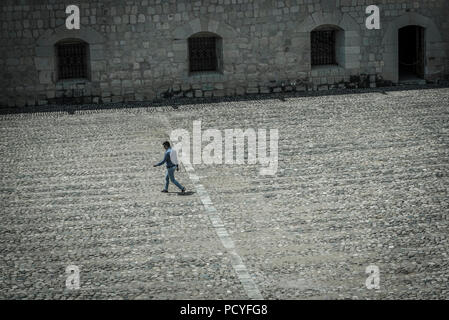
164 191
183 190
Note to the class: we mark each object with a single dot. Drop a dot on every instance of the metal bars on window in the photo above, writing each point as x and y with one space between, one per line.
72 60
203 54
323 47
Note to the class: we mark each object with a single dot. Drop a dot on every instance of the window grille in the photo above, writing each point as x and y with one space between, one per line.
203 54
323 47
72 60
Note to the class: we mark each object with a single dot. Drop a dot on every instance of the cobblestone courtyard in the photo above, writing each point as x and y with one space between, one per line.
362 180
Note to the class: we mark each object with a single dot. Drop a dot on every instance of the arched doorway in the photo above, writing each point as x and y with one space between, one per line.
432 65
411 53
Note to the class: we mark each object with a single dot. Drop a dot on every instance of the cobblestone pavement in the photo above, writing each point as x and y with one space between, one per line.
362 180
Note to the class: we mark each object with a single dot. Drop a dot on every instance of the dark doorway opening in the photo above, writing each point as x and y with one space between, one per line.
411 45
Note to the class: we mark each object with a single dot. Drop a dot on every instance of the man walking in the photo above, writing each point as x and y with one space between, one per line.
171 167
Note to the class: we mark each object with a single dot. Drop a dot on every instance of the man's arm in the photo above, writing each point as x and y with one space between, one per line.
163 161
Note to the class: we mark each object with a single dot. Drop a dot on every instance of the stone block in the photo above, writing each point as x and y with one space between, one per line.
45 77
219 86
41 63
127 84
352 50
240 91
219 93
116 99
252 90
51 94
265 89
44 51
97 54
20 102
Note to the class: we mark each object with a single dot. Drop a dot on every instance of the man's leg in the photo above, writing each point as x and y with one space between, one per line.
167 180
171 174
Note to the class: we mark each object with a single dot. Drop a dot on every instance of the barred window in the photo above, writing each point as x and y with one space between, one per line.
72 59
204 53
323 47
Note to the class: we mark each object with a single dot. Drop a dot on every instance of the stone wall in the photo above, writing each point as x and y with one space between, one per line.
138 48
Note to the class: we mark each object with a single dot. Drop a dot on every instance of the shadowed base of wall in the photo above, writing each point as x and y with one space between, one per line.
80 96
166 104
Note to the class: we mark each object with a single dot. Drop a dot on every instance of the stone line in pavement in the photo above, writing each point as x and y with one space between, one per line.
249 285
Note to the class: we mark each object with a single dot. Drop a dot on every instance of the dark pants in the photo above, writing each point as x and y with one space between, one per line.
170 175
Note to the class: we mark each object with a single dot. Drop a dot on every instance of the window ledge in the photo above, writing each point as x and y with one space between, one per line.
327 67
200 74
73 81
325 70
67 84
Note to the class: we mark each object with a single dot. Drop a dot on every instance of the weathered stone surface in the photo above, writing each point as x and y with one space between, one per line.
148 40
362 180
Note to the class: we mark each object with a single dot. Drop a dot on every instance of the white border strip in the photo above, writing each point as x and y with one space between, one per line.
240 269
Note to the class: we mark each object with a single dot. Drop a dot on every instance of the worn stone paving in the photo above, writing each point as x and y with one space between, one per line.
362 180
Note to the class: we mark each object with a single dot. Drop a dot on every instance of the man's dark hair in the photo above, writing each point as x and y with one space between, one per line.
166 144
